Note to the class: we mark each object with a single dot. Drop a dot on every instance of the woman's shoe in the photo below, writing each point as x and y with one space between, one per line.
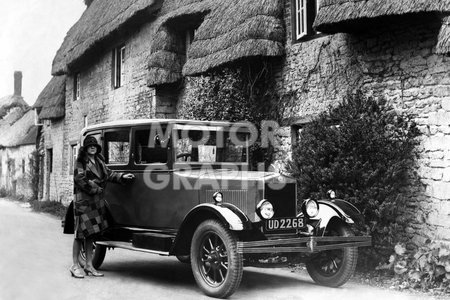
93 272
76 271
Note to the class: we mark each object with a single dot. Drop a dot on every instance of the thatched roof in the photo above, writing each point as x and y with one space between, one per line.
22 132
339 15
12 108
228 30
443 45
101 20
51 102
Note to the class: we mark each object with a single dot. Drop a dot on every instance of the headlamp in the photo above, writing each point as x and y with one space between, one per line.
264 209
310 208
217 197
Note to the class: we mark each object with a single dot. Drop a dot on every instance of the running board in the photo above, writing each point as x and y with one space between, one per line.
129 246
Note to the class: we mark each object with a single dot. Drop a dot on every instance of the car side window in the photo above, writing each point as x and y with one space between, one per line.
149 149
117 147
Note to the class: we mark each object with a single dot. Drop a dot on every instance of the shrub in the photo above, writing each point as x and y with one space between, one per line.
364 151
3 192
427 268
51 207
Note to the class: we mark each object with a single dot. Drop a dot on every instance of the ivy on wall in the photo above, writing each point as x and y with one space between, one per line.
241 93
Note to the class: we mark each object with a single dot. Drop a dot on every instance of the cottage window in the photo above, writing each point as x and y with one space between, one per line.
73 157
189 38
304 13
23 166
296 132
118 66
50 161
76 86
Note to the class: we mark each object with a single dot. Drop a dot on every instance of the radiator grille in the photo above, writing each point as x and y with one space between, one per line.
239 198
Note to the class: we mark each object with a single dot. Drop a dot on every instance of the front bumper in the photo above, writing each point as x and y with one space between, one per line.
310 244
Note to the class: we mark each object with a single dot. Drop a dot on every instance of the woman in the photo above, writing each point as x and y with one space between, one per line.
90 177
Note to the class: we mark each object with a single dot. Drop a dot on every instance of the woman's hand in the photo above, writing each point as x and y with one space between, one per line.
128 176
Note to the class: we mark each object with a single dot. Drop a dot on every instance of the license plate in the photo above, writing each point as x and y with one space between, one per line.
284 223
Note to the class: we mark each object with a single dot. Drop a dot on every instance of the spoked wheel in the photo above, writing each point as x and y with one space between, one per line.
97 259
216 264
333 268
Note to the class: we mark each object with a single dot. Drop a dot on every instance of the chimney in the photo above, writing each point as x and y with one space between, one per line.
88 2
17 83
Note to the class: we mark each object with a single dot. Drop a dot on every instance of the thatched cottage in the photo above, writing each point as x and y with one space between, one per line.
50 111
17 142
129 59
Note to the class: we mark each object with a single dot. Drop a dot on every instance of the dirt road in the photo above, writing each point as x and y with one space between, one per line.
35 257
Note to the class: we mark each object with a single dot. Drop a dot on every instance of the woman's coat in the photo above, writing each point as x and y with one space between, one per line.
89 188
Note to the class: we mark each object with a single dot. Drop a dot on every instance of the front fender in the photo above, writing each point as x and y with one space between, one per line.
227 213
336 208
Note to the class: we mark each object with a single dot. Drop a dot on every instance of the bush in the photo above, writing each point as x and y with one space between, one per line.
364 151
3 192
50 207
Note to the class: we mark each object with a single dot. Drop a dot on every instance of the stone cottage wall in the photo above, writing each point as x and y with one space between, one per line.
99 102
58 184
16 178
397 62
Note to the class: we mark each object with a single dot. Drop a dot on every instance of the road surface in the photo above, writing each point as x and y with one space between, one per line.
35 257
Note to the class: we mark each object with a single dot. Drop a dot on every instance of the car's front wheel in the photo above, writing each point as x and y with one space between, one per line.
333 268
216 264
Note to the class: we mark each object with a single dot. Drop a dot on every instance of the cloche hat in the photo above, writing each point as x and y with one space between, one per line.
89 141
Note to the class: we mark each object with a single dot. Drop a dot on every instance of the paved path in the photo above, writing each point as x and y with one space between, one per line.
35 257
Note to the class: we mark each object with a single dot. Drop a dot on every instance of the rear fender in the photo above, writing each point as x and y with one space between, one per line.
227 213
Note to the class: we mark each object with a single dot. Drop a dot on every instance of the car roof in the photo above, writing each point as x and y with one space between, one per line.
139 122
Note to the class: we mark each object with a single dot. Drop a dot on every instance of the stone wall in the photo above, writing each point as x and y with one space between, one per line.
99 102
395 61
58 185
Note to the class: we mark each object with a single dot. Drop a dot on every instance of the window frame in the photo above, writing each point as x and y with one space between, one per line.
118 66
76 86
153 165
106 148
189 39
50 160
73 157
303 14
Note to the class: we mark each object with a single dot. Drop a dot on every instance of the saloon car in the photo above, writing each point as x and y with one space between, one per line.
195 197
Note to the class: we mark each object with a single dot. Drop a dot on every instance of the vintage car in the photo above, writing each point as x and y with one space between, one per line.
195 198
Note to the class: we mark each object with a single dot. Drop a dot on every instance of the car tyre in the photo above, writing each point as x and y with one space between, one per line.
98 257
216 264
333 268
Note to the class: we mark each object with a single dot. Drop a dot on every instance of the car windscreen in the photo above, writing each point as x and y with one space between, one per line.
211 146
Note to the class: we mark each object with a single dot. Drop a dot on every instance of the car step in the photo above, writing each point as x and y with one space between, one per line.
129 246
153 241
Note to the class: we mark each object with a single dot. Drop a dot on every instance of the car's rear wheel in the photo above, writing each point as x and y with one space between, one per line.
216 264
98 255
333 268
